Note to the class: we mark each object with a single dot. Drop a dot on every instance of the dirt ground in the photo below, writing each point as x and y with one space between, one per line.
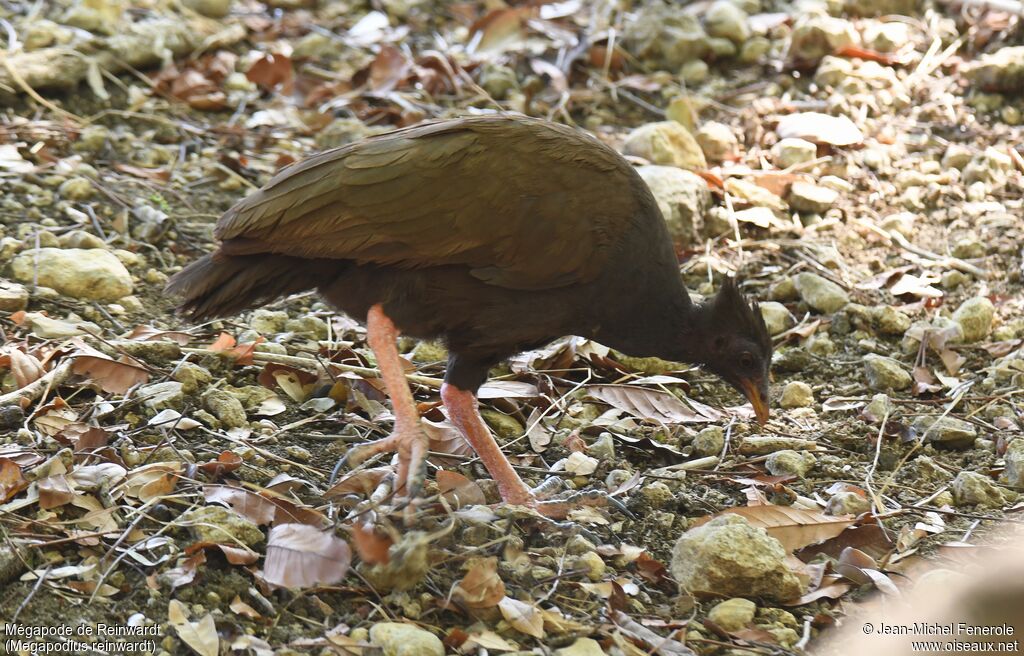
150 469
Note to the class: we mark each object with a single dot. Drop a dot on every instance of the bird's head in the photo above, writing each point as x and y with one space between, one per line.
738 347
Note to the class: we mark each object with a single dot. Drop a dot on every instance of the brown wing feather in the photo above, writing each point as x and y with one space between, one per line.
524 203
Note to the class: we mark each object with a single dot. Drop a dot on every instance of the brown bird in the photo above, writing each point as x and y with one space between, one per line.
496 234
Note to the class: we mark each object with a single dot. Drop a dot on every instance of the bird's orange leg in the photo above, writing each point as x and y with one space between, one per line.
408 440
464 412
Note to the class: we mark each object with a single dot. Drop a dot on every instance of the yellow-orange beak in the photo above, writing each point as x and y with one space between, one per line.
756 392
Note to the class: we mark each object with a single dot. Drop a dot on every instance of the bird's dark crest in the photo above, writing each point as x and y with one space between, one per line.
730 309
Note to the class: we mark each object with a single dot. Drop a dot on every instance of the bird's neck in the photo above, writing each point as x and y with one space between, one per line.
671 328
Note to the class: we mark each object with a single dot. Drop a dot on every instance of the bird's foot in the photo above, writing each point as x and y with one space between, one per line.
410 445
542 499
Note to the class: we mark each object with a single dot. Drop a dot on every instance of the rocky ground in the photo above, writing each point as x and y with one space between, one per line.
857 165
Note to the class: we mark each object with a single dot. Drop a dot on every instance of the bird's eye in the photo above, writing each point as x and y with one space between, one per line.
746 360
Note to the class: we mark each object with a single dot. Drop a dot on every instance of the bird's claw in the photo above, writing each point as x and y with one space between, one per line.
560 508
411 449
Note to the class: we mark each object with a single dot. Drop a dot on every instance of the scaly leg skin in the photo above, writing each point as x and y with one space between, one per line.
464 413
408 440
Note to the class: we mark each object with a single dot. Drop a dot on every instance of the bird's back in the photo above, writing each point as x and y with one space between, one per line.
464 224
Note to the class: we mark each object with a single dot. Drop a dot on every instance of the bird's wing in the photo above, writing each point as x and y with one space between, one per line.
525 204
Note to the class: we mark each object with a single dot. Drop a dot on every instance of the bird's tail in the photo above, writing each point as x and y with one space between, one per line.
220 285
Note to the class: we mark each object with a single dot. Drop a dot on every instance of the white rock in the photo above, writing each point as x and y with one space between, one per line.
725 19
398 639
791 150
682 197
717 141
820 293
91 274
885 373
974 316
667 143
729 556
808 197
777 318
13 297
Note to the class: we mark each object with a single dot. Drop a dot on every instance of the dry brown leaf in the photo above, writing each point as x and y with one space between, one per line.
154 480
54 417
273 72
793 527
507 389
225 463
481 587
652 405
185 571
25 367
445 438
239 607
459 490
12 481
83 437
389 69
523 617
250 505
54 491
300 556
373 547
149 334
113 376
499 30
242 353
361 482
201 636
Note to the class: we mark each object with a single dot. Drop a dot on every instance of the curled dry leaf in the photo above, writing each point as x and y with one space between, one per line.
360 482
388 69
25 367
481 587
459 490
373 547
154 480
499 30
793 527
273 71
250 505
232 553
201 636
54 491
239 607
242 353
445 438
12 481
54 417
300 556
150 334
225 463
523 617
296 383
113 376
652 405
